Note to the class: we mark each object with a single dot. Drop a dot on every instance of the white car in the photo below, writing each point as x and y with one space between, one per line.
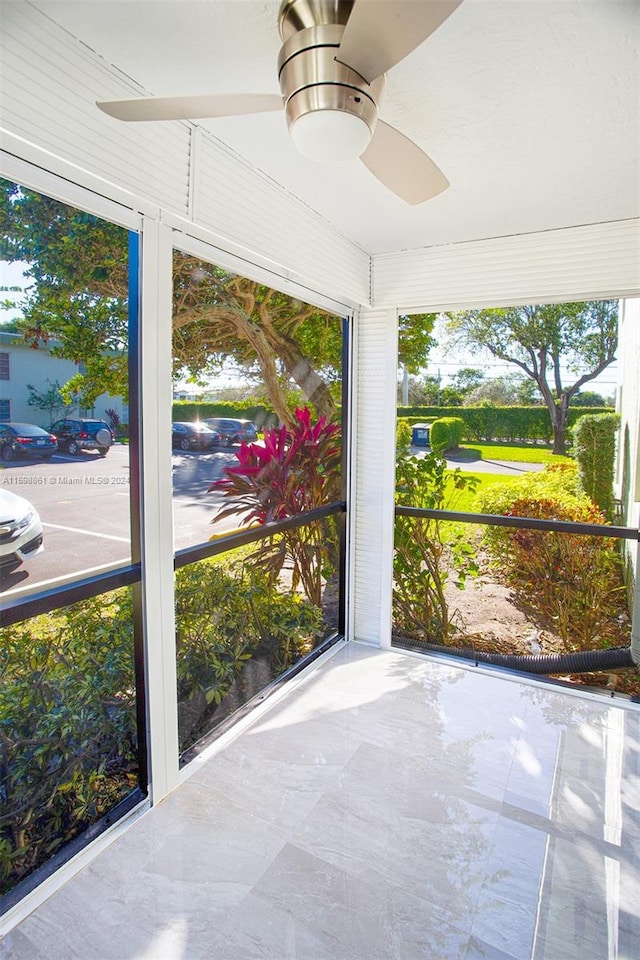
20 530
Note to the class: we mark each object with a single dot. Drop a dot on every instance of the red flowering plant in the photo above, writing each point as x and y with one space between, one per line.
293 470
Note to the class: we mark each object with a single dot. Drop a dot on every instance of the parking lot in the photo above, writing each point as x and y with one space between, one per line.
83 502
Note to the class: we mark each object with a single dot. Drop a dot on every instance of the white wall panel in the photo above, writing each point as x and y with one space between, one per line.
375 392
50 83
238 202
578 263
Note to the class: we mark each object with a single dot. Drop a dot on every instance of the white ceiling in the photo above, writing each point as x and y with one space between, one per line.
531 108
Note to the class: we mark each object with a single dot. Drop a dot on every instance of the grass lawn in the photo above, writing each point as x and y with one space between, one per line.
463 500
517 452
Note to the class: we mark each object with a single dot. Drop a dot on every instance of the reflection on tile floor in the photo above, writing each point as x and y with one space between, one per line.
388 806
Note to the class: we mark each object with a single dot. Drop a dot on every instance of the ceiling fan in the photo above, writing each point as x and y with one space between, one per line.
331 67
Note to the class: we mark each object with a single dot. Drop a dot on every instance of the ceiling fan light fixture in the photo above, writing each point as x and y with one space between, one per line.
330 135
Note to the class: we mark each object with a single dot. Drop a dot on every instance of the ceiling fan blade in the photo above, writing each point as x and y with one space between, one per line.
380 33
402 166
191 108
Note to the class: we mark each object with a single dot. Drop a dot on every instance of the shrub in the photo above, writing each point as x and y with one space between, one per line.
226 616
572 582
559 481
424 560
403 437
291 472
68 736
67 727
594 448
446 434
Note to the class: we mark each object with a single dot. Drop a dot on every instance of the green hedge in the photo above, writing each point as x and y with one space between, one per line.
479 423
446 434
497 423
188 410
595 449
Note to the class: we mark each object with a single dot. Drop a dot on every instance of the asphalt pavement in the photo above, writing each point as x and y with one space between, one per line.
83 502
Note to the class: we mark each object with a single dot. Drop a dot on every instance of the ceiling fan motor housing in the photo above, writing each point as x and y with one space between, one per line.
314 82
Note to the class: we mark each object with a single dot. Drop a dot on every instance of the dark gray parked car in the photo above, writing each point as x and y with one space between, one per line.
75 434
193 436
233 431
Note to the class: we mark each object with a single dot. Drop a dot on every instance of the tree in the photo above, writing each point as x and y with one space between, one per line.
78 266
51 400
467 379
497 391
543 340
508 391
589 398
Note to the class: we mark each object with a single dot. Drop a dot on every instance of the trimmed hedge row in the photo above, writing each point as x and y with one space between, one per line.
479 423
498 423
188 410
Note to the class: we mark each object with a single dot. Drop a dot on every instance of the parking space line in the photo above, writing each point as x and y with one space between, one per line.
88 533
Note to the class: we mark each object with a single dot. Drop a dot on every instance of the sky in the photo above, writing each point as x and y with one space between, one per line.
445 361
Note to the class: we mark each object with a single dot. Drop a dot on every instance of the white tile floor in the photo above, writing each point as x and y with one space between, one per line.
388 806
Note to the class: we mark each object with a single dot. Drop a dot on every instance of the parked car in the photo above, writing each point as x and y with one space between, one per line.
76 434
233 431
26 439
20 530
193 436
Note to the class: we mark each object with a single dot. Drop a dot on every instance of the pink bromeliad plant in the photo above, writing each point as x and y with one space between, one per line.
294 470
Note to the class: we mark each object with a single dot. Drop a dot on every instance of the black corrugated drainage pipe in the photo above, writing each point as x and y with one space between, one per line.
587 661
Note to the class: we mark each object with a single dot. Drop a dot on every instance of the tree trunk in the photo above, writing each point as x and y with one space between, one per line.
560 438
300 370
559 420
558 414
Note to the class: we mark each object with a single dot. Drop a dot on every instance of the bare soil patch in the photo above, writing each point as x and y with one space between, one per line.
488 617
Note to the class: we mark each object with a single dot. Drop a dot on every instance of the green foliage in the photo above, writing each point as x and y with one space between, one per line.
403 437
262 415
290 472
424 559
228 614
545 341
558 482
67 727
414 339
589 398
594 449
497 423
446 434
51 401
572 582
67 696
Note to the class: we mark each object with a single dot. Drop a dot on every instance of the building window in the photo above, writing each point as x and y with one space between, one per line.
4 366
5 409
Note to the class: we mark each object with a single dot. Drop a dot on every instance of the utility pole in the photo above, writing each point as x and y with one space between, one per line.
405 386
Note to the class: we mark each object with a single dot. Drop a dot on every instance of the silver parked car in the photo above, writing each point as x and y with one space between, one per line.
20 530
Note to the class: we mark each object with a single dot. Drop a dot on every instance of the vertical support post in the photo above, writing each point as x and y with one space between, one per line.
375 373
156 502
